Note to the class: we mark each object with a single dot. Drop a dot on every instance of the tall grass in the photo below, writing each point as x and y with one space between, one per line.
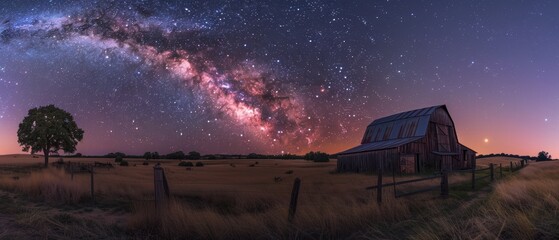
525 206
50 185
325 219
222 202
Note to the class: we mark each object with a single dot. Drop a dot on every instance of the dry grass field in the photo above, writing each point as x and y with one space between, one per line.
505 161
229 199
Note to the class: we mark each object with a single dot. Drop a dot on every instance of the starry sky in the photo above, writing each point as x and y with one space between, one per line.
280 76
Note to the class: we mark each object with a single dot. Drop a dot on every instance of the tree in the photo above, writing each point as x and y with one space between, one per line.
317 156
155 155
48 129
194 155
147 156
543 156
176 155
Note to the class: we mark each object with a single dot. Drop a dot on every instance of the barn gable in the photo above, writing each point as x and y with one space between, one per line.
426 136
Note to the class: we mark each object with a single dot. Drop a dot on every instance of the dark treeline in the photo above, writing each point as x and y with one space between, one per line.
193 155
507 155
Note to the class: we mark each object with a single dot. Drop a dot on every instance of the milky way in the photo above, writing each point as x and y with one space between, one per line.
278 76
246 94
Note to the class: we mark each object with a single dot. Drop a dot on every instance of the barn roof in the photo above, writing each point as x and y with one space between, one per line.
395 130
422 112
380 145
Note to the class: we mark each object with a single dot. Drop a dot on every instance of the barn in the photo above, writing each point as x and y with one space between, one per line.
422 140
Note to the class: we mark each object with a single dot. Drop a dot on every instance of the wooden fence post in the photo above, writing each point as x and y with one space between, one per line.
71 172
500 170
379 183
294 197
522 163
510 170
160 185
474 178
91 170
491 167
444 184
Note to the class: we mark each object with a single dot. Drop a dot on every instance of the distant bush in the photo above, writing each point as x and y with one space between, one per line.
145 163
211 157
186 164
118 159
289 172
199 164
317 157
114 155
194 155
543 156
147 156
123 163
176 155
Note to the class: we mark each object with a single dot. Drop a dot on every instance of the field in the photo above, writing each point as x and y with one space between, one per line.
240 199
505 161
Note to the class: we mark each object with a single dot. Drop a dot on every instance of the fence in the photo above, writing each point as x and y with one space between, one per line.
162 193
444 184
79 167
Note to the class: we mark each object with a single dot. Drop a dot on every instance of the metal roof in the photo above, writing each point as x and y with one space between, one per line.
380 145
401 125
409 114
396 130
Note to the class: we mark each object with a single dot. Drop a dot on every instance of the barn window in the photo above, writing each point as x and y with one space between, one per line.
443 139
411 130
387 133
401 130
377 136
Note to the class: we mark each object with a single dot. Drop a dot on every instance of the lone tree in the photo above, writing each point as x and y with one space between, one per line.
49 129
147 155
194 155
543 156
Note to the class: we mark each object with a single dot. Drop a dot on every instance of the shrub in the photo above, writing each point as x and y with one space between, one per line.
118 159
186 164
145 163
289 172
194 155
543 156
321 157
317 157
123 163
199 164
176 155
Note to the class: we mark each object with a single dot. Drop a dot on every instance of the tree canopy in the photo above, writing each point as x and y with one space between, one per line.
543 156
49 129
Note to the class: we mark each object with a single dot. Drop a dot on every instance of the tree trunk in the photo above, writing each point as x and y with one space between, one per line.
46 152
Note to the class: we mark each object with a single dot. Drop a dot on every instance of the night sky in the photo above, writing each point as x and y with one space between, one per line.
280 76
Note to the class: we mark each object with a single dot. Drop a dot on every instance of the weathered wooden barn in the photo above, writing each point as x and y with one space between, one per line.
410 142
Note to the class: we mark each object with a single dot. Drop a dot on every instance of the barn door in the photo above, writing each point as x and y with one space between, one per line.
443 138
407 163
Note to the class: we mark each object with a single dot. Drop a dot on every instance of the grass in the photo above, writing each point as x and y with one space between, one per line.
220 201
524 206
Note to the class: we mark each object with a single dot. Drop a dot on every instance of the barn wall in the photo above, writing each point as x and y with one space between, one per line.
467 157
418 148
368 161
